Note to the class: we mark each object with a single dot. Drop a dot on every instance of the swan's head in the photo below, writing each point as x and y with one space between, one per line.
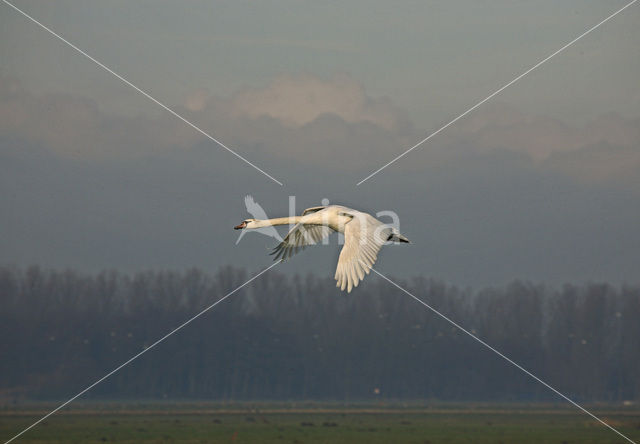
245 224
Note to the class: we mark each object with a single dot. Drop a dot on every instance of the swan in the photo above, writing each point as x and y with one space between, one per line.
364 235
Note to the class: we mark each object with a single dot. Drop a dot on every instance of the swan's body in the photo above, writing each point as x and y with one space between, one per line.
364 235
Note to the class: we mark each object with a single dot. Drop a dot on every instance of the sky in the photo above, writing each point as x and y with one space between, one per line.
540 183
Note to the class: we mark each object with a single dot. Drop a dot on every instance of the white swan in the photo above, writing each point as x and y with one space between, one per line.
364 235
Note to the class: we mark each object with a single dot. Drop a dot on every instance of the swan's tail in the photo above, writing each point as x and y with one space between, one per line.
397 237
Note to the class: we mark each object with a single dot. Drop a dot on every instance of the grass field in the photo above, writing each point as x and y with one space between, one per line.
319 425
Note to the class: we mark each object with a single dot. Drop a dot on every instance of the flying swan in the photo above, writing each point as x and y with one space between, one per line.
364 235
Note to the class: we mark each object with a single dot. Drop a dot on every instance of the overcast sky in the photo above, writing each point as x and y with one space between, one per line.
540 183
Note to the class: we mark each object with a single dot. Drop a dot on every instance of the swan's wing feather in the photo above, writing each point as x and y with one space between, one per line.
312 210
363 238
299 238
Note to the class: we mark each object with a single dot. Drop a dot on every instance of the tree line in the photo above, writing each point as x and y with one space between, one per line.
298 337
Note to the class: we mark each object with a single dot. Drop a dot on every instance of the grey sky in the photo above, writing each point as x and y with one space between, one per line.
432 58
542 183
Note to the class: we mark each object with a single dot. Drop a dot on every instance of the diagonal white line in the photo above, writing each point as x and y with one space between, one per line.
455 324
147 95
133 358
594 27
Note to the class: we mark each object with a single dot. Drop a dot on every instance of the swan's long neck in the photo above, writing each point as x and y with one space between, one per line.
277 221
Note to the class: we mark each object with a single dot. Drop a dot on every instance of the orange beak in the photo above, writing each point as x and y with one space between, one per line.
241 226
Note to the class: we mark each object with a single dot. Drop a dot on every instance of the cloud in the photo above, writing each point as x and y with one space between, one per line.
197 99
601 163
331 124
299 100
302 118
606 149
503 126
72 125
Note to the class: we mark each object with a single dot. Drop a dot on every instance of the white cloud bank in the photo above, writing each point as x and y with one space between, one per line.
327 123
296 101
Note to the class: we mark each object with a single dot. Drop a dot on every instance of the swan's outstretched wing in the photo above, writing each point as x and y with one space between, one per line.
312 210
363 237
299 238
